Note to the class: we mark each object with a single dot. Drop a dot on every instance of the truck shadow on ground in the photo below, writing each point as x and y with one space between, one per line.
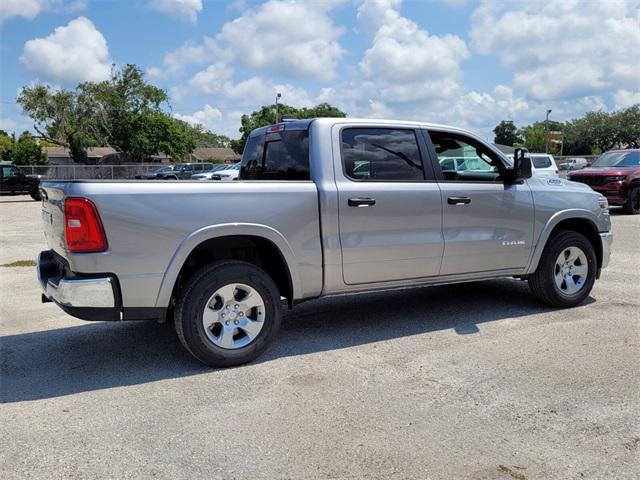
96 356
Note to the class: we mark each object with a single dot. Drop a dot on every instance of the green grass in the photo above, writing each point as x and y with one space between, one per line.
20 263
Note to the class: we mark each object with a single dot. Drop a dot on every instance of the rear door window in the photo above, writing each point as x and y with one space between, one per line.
379 154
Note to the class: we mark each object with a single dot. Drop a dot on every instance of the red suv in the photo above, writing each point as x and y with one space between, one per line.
616 175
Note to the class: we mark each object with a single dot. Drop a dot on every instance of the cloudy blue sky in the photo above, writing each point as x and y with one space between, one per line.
461 62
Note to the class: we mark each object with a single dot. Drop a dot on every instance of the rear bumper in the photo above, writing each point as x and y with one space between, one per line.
85 292
606 238
88 297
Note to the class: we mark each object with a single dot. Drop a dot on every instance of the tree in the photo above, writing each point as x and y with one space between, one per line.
266 116
533 135
206 138
506 133
627 125
6 143
25 151
124 112
127 107
62 117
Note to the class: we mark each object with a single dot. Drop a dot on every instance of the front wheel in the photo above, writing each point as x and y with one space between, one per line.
632 205
228 313
566 272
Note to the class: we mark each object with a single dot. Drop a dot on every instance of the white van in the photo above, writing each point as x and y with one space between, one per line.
575 163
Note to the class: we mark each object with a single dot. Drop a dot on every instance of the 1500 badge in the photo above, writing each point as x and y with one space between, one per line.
513 242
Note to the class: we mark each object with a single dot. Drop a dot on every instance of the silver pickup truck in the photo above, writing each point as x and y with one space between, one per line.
323 207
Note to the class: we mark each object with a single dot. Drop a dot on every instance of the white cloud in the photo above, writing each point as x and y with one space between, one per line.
188 54
217 79
211 118
153 73
626 98
29 9
74 53
279 37
185 10
206 117
404 62
562 49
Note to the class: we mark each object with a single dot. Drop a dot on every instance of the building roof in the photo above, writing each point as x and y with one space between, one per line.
96 152
217 153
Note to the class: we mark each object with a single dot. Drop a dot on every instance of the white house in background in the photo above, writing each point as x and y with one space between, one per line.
207 154
97 155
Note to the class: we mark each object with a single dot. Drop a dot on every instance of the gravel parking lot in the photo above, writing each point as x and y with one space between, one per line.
467 381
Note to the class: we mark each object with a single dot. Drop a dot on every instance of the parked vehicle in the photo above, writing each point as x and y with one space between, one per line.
209 173
544 164
230 174
575 164
184 171
155 174
453 164
616 175
308 220
14 181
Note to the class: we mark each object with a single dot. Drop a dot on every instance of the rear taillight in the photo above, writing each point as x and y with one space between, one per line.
83 227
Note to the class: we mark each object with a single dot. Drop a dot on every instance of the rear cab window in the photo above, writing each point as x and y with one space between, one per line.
541 161
277 156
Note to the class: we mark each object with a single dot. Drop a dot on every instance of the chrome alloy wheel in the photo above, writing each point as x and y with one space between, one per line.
233 316
571 270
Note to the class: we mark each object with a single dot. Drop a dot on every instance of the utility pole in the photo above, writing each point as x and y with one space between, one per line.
278 96
546 133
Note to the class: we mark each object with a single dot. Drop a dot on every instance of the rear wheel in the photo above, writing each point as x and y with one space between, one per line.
567 270
633 202
228 313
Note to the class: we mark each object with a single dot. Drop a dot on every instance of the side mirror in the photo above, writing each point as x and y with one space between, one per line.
521 165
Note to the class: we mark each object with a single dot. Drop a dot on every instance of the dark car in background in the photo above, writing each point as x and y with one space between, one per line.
155 174
179 171
183 171
14 181
616 175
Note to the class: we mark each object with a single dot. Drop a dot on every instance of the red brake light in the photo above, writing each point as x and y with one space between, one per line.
278 127
83 227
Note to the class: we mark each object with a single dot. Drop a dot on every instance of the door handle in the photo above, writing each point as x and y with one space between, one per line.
458 200
362 202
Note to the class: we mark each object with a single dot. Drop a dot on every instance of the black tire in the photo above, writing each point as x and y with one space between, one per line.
542 282
192 301
632 206
35 194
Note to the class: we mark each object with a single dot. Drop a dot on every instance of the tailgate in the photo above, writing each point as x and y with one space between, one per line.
53 214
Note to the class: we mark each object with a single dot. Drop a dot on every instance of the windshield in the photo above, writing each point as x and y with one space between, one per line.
163 169
618 159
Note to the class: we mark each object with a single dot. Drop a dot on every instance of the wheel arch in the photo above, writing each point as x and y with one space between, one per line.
271 251
581 221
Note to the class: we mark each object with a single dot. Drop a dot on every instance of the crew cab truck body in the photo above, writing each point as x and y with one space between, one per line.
322 207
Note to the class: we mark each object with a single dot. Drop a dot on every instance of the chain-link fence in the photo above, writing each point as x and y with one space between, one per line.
88 172
124 172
